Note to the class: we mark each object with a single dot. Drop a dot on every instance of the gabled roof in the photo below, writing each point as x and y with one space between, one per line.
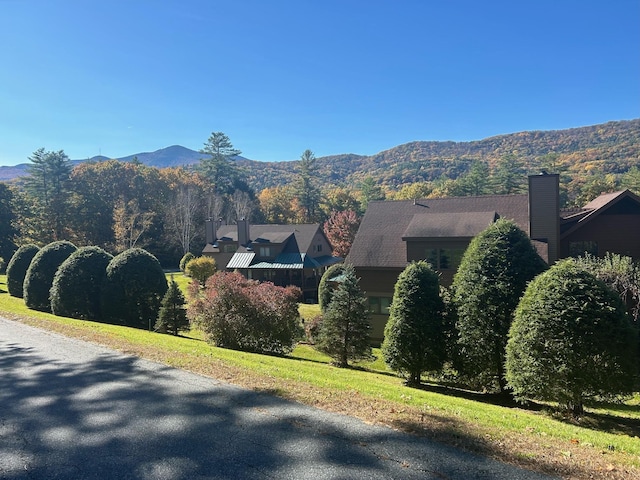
595 208
379 242
274 234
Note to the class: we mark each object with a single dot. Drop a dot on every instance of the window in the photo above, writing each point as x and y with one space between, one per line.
265 251
444 258
577 249
379 305
229 248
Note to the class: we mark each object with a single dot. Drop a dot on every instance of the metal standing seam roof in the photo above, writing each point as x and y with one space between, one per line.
241 260
296 261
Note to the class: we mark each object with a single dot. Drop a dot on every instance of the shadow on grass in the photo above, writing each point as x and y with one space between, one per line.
601 422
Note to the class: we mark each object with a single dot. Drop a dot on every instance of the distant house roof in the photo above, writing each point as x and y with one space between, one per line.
274 234
379 242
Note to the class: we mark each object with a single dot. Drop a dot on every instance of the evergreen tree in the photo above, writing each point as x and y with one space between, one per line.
307 191
219 168
571 340
345 328
413 337
48 184
173 314
492 276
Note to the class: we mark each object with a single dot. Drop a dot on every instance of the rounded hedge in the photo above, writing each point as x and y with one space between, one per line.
493 274
325 289
39 277
17 268
133 290
571 340
414 340
77 284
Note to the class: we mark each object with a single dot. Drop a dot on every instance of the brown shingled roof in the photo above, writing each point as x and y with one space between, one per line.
379 243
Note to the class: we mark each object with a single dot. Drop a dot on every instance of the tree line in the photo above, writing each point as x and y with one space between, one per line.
118 206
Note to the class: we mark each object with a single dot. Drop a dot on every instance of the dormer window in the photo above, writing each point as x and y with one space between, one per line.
265 252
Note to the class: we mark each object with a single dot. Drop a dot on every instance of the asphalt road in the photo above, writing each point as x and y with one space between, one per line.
73 410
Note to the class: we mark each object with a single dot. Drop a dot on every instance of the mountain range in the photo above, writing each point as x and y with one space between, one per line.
612 147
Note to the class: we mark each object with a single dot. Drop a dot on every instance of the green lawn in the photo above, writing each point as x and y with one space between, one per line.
604 441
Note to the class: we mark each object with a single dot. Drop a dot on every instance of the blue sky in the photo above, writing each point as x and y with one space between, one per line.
335 76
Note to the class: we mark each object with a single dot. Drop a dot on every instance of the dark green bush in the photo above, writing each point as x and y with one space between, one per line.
39 277
325 288
414 339
78 283
492 276
571 340
133 289
17 268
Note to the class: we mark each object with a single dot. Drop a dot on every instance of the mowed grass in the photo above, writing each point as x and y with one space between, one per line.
602 444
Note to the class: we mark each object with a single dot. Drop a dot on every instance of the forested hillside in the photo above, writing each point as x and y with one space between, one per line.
612 147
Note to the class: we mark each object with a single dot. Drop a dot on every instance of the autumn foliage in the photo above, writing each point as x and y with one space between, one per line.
242 314
341 229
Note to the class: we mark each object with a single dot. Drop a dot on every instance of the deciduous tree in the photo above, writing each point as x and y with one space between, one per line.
341 229
242 314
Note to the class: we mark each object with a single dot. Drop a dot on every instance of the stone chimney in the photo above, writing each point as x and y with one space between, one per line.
243 232
544 212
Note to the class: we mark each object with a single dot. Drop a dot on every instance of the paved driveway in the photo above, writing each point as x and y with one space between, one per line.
73 410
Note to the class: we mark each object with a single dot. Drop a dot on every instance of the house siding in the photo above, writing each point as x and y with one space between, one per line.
599 230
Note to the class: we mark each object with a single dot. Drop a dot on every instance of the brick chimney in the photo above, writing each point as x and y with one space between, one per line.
544 212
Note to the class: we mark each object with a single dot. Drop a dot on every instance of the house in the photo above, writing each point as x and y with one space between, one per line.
394 233
282 254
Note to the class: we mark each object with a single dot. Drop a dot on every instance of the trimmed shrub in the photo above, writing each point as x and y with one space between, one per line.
77 285
345 328
492 276
186 258
17 268
173 314
571 340
325 288
200 269
133 289
39 278
247 315
414 339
